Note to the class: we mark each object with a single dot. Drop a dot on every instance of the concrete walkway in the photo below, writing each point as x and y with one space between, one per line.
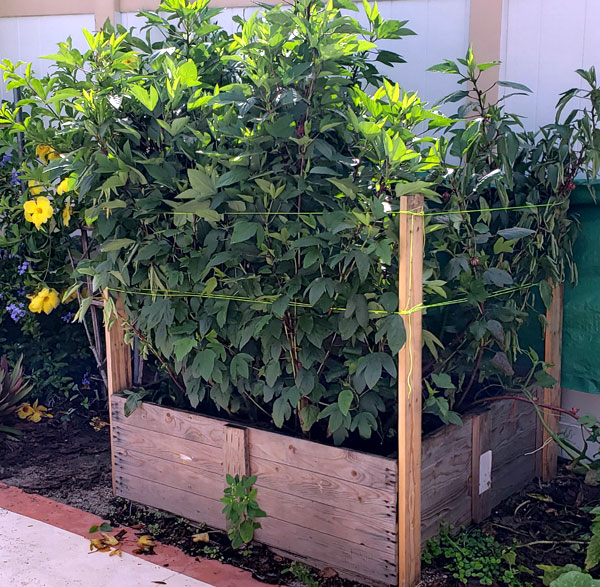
37 554
44 543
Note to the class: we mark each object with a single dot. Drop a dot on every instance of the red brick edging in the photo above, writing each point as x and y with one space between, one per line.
79 522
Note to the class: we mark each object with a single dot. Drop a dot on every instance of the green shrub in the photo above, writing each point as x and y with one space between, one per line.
239 192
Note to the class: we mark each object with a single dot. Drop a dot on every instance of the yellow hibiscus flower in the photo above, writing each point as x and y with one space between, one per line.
44 301
63 187
25 411
33 413
34 187
38 211
46 153
67 213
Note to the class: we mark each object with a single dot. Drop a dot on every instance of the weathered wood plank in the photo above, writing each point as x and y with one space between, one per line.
350 465
325 489
235 451
410 290
332 551
302 512
446 478
145 466
118 368
187 452
552 396
176 501
513 439
329 550
171 421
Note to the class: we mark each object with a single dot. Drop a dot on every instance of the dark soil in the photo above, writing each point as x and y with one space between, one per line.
70 463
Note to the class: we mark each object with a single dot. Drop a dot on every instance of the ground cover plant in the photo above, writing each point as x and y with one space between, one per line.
239 192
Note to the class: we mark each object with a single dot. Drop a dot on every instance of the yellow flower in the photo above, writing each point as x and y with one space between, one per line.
66 213
46 153
38 211
25 411
44 301
63 187
33 413
34 187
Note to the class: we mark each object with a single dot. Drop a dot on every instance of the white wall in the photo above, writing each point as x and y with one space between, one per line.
543 42
28 38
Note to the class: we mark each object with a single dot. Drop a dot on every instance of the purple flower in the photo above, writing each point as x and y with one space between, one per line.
15 180
23 267
85 380
16 311
68 317
7 158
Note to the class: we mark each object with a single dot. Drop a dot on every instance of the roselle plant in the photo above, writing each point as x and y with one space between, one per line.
238 192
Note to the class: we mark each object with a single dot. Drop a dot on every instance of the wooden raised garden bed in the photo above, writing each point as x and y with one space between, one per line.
365 516
328 506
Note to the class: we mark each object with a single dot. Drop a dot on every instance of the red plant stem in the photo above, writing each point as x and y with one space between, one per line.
571 413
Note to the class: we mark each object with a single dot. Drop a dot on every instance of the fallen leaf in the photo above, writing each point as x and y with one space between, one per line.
109 540
145 541
159 582
121 534
203 537
116 552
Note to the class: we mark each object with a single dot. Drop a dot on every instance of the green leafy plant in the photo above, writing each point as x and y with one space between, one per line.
241 509
13 390
567 576
303 573
471 554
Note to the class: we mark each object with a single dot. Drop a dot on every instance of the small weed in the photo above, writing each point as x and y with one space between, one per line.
471 554
303 573
241 509
213 552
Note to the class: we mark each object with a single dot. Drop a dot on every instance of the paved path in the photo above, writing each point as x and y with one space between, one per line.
36 554
44 543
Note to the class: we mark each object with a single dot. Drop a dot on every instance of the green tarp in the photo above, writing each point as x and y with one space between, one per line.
581 329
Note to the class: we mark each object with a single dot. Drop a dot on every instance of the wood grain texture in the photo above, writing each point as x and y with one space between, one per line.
410 293
513 440
323 548
552 396
446 478
118 372
235 451
349 465
169 473
326 489
170 499
301 512
481 503
173 422
186 452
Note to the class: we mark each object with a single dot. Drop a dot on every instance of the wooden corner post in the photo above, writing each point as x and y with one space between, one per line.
409 391
118 368
552 396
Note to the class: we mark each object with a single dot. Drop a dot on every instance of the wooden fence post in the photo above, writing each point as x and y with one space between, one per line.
552 396
409 392
118 368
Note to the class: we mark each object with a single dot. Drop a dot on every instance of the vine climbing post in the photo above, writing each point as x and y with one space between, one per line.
552 395
409 390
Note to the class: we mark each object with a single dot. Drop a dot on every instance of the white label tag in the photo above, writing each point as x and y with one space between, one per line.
485 471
